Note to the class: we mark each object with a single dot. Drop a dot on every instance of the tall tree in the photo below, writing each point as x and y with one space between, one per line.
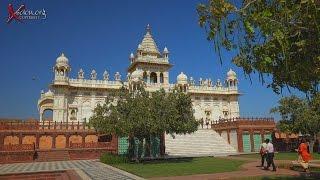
141 114
280 38
299 116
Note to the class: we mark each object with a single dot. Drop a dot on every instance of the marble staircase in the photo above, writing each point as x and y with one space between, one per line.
203 142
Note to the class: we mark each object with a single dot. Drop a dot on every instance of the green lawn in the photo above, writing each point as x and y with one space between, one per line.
281 156
182 167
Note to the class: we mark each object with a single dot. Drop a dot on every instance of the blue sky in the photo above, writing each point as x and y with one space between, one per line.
100 35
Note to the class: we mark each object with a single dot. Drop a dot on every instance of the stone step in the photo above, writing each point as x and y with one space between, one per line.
60 155
204 142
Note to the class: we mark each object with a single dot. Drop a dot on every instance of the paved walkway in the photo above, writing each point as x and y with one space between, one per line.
248 170
86 169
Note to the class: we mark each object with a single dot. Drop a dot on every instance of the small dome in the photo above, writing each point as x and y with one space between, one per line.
131 56
182 78
231 74
165 50
62 59
137 75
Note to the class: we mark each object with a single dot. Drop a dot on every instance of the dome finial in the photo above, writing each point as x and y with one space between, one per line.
62 54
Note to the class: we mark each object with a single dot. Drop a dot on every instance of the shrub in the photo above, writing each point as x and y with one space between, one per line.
109 158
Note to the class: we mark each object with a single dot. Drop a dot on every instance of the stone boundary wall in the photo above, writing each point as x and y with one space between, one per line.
20 140
251 126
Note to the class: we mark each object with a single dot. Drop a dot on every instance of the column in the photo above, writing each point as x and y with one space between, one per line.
148 76
83 140
2 135
240 143
20 138
37 140
262 135
67 140
158 77
251 140
166 77
53 141
41 114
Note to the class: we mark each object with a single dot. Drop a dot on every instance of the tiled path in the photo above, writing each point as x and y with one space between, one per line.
87 169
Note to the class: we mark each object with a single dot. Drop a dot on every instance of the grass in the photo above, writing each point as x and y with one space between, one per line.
281 156
203 165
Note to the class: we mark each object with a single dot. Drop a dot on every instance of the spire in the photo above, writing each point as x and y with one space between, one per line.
148 44
148 29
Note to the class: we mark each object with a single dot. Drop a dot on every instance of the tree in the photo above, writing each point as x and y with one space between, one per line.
277 38
299 116
140 114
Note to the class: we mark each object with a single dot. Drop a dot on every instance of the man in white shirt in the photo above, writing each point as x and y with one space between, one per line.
270 155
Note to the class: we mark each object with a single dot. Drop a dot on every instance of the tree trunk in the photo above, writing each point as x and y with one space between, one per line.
131 147
162 145
140 148
147 151
312 141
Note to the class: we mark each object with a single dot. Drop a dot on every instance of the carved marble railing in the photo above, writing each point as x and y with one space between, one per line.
212 89
94 83
17 147
157 86
152 59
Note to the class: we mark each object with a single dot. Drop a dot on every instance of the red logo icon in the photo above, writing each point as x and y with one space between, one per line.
14 14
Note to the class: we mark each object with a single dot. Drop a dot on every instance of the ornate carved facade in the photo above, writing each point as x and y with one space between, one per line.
73 99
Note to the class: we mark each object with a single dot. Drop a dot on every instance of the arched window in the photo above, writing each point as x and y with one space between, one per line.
47 115
145 77
161 77
73 115
153 77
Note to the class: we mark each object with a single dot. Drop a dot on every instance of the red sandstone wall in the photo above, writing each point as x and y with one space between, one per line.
61 141
29 140
11 140
45 142
14 157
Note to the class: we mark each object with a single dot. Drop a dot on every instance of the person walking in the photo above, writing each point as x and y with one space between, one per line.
304 155
263 153
270 155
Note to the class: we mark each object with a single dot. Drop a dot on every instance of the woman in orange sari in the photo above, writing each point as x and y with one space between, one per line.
304 155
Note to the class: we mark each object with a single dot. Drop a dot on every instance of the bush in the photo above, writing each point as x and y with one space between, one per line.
109 158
